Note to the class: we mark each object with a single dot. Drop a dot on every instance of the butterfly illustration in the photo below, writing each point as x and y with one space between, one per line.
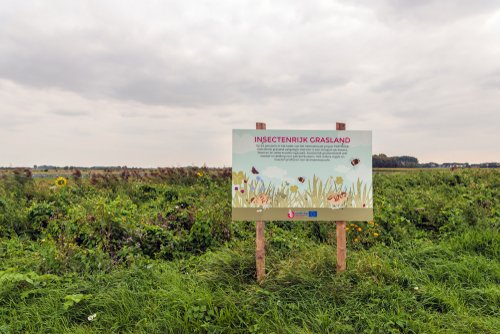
301 179
254 171
355 161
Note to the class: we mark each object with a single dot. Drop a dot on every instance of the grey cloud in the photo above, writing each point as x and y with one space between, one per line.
71 64
429 12
216 90
103 62
454 7
85 63
451 121
492 81
70 113
153 74
322 80
396 85
157 114
12 121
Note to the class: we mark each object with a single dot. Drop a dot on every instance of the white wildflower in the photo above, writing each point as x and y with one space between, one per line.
92 317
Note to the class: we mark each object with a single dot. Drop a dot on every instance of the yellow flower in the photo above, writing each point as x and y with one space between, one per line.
356 239
61 181
347 229
200 174
294 189
371 222
359 229
375 234
339 180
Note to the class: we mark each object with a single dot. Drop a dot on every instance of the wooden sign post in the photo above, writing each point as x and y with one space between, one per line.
341 233
260 239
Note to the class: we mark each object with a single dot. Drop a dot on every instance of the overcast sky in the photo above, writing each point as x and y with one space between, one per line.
162 83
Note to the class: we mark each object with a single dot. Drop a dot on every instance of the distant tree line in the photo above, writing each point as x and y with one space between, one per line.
50 167
405 161
378 161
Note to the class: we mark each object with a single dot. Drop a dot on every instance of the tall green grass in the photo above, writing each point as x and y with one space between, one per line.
434 268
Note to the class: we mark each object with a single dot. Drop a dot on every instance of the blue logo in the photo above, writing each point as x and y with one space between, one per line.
313 214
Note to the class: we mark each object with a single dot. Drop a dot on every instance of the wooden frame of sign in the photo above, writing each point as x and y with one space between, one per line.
260 239
341 235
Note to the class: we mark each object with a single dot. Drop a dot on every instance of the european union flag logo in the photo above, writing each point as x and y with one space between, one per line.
313 214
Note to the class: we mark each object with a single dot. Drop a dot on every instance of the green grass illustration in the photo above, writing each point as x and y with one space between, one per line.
248 189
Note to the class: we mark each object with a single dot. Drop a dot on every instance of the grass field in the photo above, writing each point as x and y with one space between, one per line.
157 253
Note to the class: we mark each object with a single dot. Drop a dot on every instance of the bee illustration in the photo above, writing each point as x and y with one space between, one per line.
301 179
254 171
355 161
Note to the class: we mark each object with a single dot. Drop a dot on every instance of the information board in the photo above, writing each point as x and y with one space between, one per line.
302 175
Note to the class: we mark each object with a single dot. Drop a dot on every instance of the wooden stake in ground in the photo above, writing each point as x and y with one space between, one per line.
341 234
260 239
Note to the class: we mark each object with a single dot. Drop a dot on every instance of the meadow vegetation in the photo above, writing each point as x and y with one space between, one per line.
158 253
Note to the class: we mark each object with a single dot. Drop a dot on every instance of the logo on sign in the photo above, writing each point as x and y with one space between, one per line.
297 214
313 214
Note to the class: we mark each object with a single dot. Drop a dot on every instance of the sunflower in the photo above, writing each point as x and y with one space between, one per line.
61 181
